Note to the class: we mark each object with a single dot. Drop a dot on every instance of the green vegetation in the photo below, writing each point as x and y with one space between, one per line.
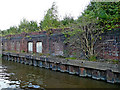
25 26
107 13
71 58
50 19
22 51
92 58
85 31
115 61
67 21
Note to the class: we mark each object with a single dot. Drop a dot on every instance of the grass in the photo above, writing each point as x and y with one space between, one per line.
72 58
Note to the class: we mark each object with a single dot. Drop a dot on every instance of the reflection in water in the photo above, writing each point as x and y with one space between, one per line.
15 75
4 79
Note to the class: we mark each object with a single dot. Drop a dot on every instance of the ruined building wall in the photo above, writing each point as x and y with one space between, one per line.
51 43
109 46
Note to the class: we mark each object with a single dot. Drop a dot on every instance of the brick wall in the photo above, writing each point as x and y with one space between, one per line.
21 41
53 44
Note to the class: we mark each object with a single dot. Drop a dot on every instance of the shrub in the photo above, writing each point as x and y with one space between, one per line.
92 58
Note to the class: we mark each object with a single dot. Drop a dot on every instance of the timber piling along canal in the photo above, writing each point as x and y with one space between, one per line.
96 70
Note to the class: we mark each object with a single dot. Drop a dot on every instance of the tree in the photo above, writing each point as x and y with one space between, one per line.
33 26
12 30
26 26
106 12
50 19
86 33
84 37
67 21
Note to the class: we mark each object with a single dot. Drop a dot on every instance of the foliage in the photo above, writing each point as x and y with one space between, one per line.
84 36
26 26
41 54
106 12
0 33
12 30
67 21
50 19
85 32
72 58
22 51
115 61
92 58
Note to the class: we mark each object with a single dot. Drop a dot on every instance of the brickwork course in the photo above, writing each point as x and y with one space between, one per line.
53 44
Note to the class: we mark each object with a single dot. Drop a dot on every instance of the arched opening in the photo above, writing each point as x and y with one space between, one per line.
30 46
39 47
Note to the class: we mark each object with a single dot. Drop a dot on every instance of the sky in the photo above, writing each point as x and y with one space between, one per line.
13 11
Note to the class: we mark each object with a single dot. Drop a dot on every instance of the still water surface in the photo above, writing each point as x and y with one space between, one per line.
16 75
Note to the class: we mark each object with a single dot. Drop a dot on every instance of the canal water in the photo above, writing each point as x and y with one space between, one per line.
16 75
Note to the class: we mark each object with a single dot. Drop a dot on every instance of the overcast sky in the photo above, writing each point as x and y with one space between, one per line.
13 11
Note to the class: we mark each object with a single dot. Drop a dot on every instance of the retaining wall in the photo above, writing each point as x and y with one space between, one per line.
96 70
